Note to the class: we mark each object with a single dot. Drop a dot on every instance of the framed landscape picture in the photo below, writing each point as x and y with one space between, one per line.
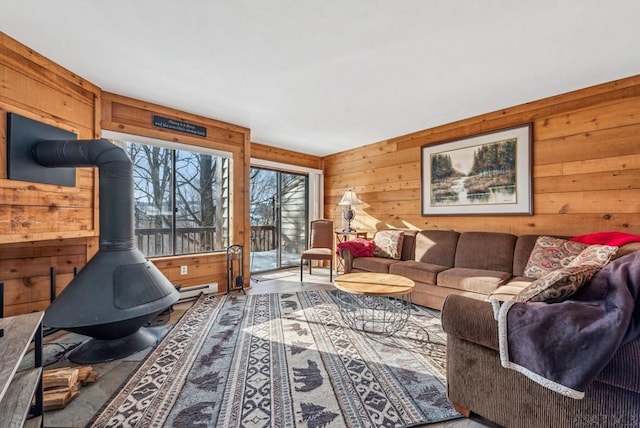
483 174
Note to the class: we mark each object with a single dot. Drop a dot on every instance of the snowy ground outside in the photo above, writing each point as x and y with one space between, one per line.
267 260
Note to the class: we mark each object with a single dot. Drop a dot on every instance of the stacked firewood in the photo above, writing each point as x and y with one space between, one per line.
63 385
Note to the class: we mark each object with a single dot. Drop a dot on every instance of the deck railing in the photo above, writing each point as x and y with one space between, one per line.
263 238
158 242
189 240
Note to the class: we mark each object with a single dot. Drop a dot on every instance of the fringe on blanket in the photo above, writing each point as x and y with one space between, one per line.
500 312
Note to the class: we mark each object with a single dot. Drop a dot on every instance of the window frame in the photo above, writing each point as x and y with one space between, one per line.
123 139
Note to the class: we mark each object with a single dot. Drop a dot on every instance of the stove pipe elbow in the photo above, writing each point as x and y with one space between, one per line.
115 184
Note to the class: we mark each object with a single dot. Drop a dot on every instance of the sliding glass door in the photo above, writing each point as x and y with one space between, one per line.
279 218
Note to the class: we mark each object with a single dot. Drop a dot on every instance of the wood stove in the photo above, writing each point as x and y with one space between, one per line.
119 290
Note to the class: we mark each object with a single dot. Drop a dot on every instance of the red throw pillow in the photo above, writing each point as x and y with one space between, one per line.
616 239
359 247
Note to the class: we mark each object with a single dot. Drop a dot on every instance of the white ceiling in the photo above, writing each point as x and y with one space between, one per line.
324 76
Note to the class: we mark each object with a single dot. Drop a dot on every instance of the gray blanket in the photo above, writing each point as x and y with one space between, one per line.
563 346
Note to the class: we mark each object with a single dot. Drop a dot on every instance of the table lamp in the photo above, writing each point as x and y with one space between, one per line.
349 199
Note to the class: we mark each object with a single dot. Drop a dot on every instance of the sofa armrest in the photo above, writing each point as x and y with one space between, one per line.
347 256
470 319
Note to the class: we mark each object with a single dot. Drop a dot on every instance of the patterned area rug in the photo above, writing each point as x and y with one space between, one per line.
285 360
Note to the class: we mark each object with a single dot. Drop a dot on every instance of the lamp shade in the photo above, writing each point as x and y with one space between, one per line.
350 198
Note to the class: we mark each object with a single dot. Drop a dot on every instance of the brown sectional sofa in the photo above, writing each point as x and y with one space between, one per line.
452 266
476 380
443 262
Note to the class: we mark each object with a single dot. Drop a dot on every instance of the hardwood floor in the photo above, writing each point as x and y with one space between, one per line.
288 281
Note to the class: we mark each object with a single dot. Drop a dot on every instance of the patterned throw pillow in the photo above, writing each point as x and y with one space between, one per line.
557 285
550 254
595 255
388 244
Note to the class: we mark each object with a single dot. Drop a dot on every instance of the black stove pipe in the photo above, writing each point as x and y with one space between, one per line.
115 187
118 291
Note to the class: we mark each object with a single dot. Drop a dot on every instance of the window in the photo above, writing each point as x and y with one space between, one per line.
181 200
279 217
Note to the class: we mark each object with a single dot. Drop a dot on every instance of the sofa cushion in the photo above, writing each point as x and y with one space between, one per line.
373 264
417 271
557 285
476 280
550 254
594 255
437 247
522 252
511 289
627 249
490 251
408 244
388 244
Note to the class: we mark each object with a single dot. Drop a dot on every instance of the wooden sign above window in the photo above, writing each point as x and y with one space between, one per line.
180 126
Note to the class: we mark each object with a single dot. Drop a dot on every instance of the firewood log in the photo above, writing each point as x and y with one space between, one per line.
65 377
58 398
61 385
87 375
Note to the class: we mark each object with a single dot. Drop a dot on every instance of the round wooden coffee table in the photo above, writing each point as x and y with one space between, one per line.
375 303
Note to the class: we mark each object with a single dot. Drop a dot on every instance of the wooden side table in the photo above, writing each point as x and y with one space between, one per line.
342 237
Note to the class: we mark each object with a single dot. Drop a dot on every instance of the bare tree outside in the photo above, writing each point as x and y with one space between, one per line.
278 202
264 190
152 194
196 193
178 200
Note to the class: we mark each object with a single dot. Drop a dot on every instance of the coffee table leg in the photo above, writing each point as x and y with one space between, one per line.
377 315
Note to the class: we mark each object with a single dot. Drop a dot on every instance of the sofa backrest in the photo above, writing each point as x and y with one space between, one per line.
524 246
408 244
485 250
436 247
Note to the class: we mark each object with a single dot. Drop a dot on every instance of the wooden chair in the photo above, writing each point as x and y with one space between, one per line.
320 245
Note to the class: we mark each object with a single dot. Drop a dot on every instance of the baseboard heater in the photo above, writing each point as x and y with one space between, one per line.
189 293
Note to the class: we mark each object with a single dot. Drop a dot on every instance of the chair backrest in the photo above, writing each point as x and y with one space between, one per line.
321 234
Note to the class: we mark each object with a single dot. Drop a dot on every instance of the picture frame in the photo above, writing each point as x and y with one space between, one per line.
484 174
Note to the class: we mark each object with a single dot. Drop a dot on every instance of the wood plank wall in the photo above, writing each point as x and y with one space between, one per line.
586 168
42 225
132 116
274 154
47 226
